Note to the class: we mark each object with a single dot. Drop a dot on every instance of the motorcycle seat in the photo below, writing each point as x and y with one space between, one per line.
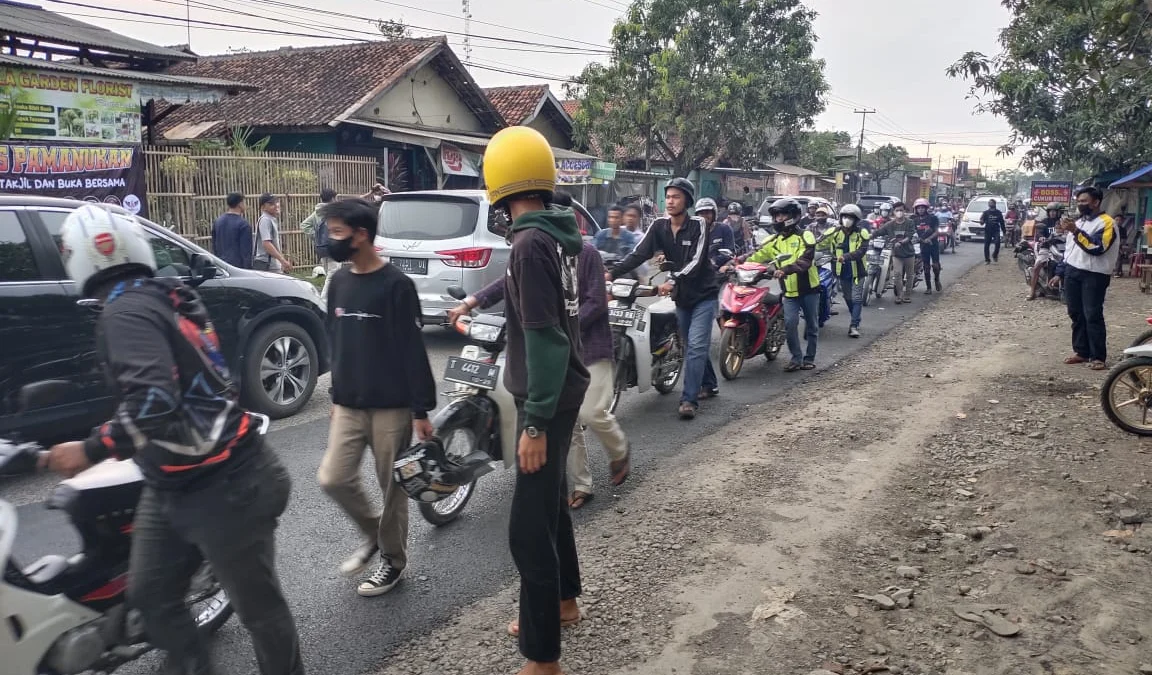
46 569
772 299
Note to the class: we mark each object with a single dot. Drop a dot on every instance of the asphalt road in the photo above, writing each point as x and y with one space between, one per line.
344 634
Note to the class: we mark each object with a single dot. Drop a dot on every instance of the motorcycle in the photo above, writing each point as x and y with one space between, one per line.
828 285
946 236
1144 338
751 318
1027 252
1126 395
478 427
645 340
70 615
879 262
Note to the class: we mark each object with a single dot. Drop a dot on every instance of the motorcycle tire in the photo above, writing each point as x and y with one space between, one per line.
670 365
1144 338
204 588
733 345
620 378
458 442
1121 376
775 339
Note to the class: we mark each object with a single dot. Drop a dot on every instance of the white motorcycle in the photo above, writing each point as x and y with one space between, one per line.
879 261
70 615
1126 395
645 340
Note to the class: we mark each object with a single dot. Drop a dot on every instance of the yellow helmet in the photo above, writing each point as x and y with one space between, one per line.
518 159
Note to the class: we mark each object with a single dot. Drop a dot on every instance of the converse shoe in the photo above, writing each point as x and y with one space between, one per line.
854 332
381 581
359 559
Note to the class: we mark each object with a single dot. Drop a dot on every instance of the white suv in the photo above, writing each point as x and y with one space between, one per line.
970 227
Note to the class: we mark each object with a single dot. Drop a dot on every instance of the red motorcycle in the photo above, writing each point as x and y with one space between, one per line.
751 318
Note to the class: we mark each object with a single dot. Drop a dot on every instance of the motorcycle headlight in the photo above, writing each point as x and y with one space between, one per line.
622 290
482 332
746 276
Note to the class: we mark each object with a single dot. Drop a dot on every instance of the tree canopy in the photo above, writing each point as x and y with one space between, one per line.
1073 81
816 150
884 161
705 77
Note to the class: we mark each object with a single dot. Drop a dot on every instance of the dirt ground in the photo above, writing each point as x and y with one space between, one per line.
953 481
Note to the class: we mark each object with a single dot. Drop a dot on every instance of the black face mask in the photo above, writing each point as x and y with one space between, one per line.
341 250
1084 210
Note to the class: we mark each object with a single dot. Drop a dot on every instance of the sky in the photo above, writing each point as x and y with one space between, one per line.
884 68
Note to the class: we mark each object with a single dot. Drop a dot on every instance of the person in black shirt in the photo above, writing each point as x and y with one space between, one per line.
993 221
927 226
232 234
382 388
692 284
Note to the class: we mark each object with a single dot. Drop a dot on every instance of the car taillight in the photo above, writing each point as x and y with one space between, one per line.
467 257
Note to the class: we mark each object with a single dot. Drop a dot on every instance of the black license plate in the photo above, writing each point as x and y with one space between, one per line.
472 373
621 317
411 265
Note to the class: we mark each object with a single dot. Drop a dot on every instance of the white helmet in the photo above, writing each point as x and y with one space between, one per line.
852 210
706 204
97 243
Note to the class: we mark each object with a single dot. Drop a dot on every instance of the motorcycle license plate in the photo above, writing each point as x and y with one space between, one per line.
621 317
472 373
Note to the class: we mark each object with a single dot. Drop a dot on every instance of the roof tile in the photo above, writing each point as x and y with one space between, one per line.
517 104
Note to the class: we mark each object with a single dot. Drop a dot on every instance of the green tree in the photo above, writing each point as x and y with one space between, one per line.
884 161
1073 81
816 150
702 78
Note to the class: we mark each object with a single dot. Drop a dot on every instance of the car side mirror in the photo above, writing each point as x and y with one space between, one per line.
44 394
456 292
203 269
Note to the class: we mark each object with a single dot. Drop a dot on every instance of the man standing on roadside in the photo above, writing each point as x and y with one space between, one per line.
903 230
232 234
545 375
382 388
993 221
1089 257
317 232
268 254
692 284
614 239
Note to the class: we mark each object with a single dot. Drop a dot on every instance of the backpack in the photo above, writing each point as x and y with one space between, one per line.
320 239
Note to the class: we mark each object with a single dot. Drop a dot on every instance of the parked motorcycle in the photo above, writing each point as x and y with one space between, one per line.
1144 338
1126 395
1027 253
751 318
645 340
878 259
69 615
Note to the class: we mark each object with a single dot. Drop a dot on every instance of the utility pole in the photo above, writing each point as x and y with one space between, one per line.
467 7
929 144
188 20
860 148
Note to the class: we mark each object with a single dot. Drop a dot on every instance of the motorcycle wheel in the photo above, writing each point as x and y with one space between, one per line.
1128 387
208 601
620 378
1142 339
668 368
733 344
774 341
869 284
458 442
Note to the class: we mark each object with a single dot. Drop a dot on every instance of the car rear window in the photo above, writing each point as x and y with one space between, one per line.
979 205
428 218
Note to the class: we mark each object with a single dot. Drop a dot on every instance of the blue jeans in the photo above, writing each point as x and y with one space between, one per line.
810 303
853 294
696 331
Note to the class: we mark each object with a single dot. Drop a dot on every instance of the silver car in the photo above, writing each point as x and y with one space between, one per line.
443 238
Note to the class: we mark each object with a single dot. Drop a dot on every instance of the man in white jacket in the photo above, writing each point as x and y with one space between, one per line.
1090 257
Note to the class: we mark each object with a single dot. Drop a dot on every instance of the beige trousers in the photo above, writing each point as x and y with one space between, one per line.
903 272
594 414
387 432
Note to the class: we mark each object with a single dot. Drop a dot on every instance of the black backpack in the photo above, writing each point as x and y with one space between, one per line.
320 239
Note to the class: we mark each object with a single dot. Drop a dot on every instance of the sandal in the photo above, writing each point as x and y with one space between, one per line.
808 365
1097 365
1074 359
579 498
514 625
792 367
620 470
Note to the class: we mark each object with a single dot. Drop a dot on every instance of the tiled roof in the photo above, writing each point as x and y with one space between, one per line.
570 106
309 86
517 104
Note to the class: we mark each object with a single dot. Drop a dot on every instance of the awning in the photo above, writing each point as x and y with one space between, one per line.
1133 177
423 137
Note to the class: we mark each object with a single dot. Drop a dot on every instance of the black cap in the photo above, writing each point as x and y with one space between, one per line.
267 198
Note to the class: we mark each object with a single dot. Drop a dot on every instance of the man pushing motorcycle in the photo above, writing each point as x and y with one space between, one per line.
1046 235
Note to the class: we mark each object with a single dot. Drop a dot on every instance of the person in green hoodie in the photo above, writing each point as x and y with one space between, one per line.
546 376
317 231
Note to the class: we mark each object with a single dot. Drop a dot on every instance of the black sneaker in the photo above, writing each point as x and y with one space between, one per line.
381 581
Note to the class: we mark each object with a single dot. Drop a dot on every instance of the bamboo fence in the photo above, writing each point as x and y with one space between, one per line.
187 190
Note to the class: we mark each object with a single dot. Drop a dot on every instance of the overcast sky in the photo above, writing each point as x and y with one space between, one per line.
882 69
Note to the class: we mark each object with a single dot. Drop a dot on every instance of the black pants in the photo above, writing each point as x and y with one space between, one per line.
990 239
1085 295
930 255
544 545
232 524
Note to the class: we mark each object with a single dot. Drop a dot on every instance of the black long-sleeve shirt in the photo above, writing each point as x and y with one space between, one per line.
692 271
232 240
378 355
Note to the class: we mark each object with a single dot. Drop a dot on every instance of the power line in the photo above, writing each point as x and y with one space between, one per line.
975 145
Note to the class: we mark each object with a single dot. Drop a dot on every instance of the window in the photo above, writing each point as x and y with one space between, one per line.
427 218
16 260
171 260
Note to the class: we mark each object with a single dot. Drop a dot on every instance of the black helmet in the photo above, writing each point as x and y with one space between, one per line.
1055 206
684 185
428 474
787 206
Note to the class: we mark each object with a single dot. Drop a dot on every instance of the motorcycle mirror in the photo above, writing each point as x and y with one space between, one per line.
667 266
43 394
456 292
725 252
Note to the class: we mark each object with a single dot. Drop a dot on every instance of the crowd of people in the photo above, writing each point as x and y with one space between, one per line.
214 491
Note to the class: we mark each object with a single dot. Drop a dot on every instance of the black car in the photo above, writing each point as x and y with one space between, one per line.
271 326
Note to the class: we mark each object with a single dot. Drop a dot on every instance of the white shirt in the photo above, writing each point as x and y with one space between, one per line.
1099 236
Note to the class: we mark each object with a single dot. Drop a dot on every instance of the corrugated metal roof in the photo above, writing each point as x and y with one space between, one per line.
17 18
123 74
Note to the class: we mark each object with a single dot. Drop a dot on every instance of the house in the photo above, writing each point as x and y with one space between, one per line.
535 106
410 103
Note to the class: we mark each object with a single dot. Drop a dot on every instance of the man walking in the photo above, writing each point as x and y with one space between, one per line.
993 221
232 234
903 231
545 375
268 254
1089 257
927 229
315 228
692 284
382 388
849 243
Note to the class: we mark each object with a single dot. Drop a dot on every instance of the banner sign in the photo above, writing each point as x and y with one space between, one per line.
456 162
574 171
107 174
59 106
1045 191
919 162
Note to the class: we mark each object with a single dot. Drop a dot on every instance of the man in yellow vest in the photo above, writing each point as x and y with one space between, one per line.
793 250
848 244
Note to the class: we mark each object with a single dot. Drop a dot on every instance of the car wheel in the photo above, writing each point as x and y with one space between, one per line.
280 369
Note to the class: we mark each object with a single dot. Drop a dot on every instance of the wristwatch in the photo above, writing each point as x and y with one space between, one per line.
533 432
